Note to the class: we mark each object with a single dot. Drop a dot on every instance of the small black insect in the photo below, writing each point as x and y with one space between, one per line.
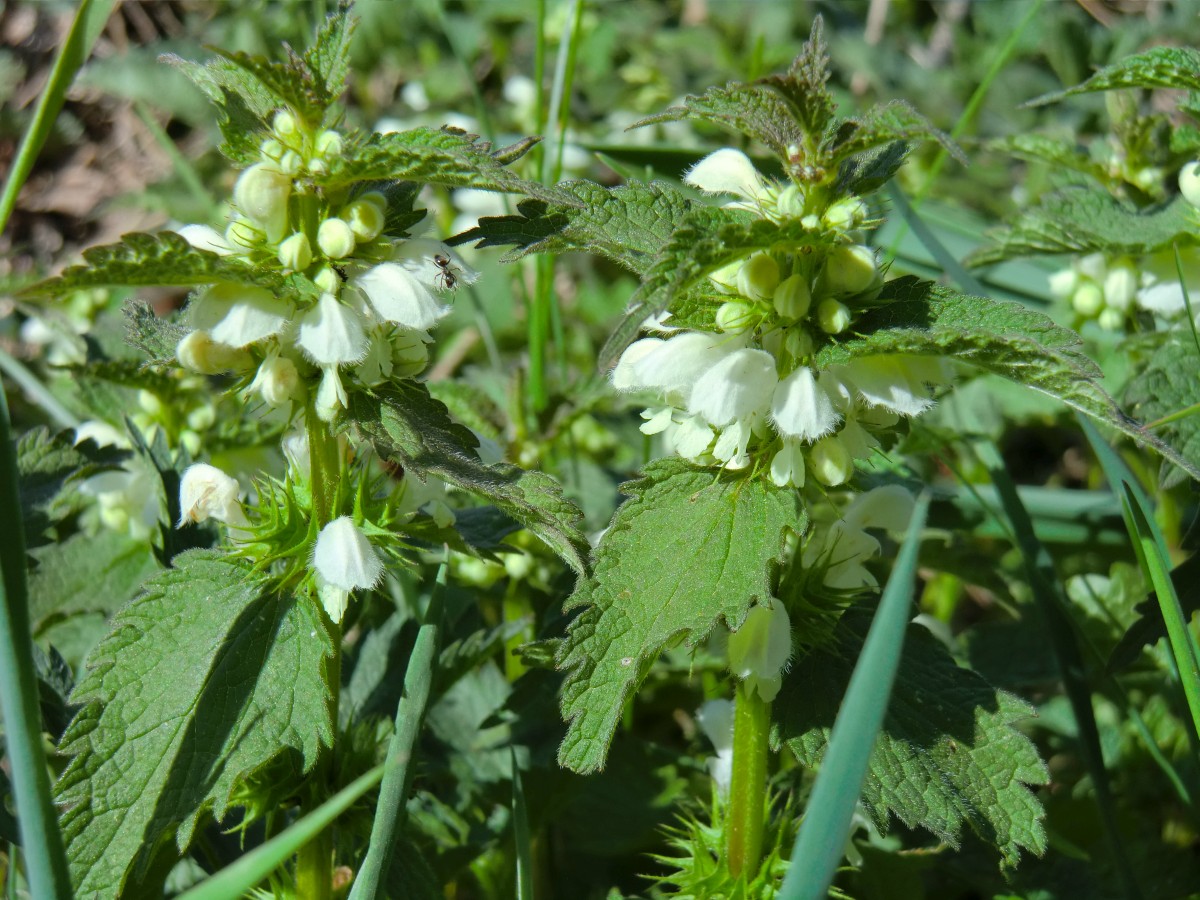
340 270
446 278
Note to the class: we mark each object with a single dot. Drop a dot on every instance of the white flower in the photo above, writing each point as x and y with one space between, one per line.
205 492
101 434
739 386
277 379
1120 286
800 408
1189 182
847 545
787 465
237 316
1163 299
331 334
204 238
761 648
727 171
295 451
331 395
344 558
128 499
419 258
261 194
690 437
671 366
895 382
715 718
396 295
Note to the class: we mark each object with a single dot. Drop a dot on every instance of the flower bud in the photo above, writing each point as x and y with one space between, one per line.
831 462
202 417
790 202
328 281
317 166
277 380
1111 319
335 239
846 214
331 395
190 441
295 252
198 352
284 123
410 353
758 277
1120 287
798 343
850 269
291 163
149 401
792 297
261 193
734 316
271 149
1063 283
329 143
1088 299
205 492
832 316
366 219
760 649
1189 182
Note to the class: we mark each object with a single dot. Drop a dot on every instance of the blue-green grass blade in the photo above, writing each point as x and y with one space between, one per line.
822 839
391 810
521 836
255 866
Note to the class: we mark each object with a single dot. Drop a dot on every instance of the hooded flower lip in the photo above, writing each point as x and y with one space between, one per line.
419 258
894 382
205 492
737 387
396 295
727 171
672 365
204 238
801 409
344 558
261 193
331 334
238 316
761 648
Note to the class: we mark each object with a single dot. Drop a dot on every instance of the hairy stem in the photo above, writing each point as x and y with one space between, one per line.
748 787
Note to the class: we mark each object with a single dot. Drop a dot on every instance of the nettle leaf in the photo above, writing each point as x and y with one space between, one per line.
629 224
948 754
1005 338
1159 67
1064 154
328 59
290 82
707 239
1168 385
244 105
436 156
869 171
884 124
409 427
691 548
204 678
155 336
1084 221
152 259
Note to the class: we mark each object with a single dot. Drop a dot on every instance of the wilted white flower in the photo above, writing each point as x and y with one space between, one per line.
715 718
344 561
205 492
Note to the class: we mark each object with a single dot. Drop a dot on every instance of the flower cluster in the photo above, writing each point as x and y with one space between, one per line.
372 296
1111 291
749 391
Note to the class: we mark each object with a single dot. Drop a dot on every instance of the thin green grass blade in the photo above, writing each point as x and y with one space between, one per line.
944 258
521 836
822 839
1151 549
1050 600
37 392
393 795
1187 297
89 19
255 866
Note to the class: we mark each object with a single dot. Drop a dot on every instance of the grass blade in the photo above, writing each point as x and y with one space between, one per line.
521 837
235 880
822 839
1050 600
390 813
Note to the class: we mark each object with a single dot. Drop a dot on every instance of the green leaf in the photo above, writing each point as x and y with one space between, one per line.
47 464
1165 389
290 83
1084 221
1159 67
244 105
203 679
1062 154
689 549
1005 338
328 59
435 156
153 335
152 259
947 756
629 224
408 426
884 124
87 573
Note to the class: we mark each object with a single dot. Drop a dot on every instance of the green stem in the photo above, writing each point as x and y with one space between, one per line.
748 788
324 467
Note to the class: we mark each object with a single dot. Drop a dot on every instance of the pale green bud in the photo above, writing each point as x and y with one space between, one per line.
291 163
191 442
850 269
1189 182
317 166
328 281
149 401
798 343
198 352
734 316
1088 299
366 219
1148 178
811 222
284 123
793 297
831 462
261 193
202 417
329 143
271 149
758 277
295 252
790 202
1111 319
410 354
335 238
846 214
518 565
832 316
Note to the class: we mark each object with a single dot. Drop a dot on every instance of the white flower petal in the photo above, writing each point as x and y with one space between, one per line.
332 334
396 295
344 557
801 409
204 238
1164 299
205 492
888 381
737 387
257 315
726 171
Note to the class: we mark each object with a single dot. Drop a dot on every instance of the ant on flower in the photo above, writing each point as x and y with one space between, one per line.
446 278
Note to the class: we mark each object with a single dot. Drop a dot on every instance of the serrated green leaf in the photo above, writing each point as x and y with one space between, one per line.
884 124
152 259
155 336
87 573
1063 154
433 156
1086 221
290 82
705 240
1168 386
690 548
1158 67
629 224
245 107
921 318
46 464
203 679
947 756
407 426
328 59
871 170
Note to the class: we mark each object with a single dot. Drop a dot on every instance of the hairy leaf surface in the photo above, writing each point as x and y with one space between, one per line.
1169 384
948 754
1159 67
690 548
202 680
87 573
